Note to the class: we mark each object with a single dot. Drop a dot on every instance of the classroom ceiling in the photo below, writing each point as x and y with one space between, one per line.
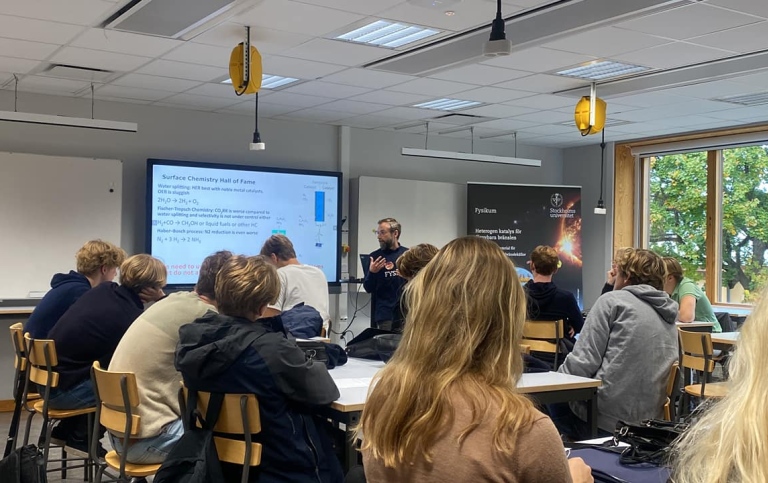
697 55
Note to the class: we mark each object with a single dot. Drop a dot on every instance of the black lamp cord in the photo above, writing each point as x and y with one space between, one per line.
256 135
497 27
600 203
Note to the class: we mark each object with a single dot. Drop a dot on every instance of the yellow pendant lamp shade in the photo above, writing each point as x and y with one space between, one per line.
582 116
237 70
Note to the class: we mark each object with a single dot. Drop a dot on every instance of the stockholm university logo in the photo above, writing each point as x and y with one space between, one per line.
556 199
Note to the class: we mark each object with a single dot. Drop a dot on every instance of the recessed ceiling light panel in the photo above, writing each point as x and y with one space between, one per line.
755 99
602 70
383 33
447 104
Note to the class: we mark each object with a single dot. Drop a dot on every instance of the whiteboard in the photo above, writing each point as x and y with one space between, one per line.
429 212
49 207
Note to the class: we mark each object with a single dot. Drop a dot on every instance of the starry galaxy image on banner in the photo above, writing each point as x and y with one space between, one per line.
521 217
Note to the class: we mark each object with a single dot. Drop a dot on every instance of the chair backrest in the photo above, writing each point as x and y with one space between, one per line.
17 340
525 349
239 416
41 354
543 335
671 385
118 394
696 348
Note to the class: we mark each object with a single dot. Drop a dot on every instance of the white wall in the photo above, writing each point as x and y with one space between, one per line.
581 167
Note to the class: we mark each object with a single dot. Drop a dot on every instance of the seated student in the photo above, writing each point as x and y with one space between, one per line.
445 407
728 441
298 282
610 275
237 351
693 302
545 300
148 350
408 265
629 341
97 262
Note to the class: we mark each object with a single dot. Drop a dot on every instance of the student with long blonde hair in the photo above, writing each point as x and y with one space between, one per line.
445 407
729 443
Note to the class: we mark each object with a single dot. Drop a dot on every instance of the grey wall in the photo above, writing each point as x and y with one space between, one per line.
581 167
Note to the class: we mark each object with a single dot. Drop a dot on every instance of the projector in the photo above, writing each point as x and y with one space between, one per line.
496 48
257 146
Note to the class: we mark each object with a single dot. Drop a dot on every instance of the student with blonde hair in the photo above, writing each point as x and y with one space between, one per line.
629 341
729 442
610 276
445 407
693 302
96 262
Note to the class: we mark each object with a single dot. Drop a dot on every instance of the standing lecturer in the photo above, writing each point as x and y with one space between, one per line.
382 280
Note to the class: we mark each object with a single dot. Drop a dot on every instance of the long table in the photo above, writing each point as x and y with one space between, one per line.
725 338
354 378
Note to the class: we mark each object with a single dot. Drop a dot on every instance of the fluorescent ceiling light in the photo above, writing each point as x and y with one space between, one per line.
382 33
79 122
270 81
755 99
481 158
602 70
446 104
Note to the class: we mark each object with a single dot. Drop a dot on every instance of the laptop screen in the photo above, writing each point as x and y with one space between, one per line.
365 261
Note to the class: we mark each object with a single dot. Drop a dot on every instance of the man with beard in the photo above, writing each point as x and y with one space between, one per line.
382 280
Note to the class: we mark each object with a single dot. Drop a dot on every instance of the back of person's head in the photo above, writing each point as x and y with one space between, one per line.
462 334
621 253
96 254
143 271
545 260
245 285
279 246
394 226
206 280
672 267
642 266
416 258
729 442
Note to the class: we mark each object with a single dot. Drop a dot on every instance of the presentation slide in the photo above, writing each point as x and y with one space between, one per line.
196 210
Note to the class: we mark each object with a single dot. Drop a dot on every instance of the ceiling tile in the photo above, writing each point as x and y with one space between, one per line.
268 41
606 42
391 98
265 109
225 91
431 87
316 115
506 124
364 7
548 129
688 21
201 54
492 94
543 83
155 82
297 17
367 78
673 55
354 107
371 121
479 74
408 113
468 14
298 68
741 113
37 30
49 84
98 59
182 70
753 7
80 12
337 52
539 59
131 93
200 101
758 79
750 38
545 117
283 98
498 111
649 99
710 90
326 89
18 66
544 101
124 42
119 99
682 121
26 50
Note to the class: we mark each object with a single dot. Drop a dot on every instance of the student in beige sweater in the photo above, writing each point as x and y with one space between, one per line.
445 407
148 350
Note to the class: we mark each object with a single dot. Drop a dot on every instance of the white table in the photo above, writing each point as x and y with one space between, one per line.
354 379
725 338
26 310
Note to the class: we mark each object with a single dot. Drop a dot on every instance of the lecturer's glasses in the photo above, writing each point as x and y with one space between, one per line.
381 232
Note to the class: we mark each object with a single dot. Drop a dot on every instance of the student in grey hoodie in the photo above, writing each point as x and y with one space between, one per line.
629 341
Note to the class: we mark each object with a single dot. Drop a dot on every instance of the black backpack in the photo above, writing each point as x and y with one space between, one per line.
194 458
23 465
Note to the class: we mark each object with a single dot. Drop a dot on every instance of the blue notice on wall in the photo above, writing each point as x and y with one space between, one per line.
319 206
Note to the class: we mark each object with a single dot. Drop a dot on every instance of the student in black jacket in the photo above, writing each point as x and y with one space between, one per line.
545 300
236 351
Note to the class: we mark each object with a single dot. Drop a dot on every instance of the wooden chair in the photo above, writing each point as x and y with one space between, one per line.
696 349
239 416
525 349
544 336
19 380
42 358
117 396
669 406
